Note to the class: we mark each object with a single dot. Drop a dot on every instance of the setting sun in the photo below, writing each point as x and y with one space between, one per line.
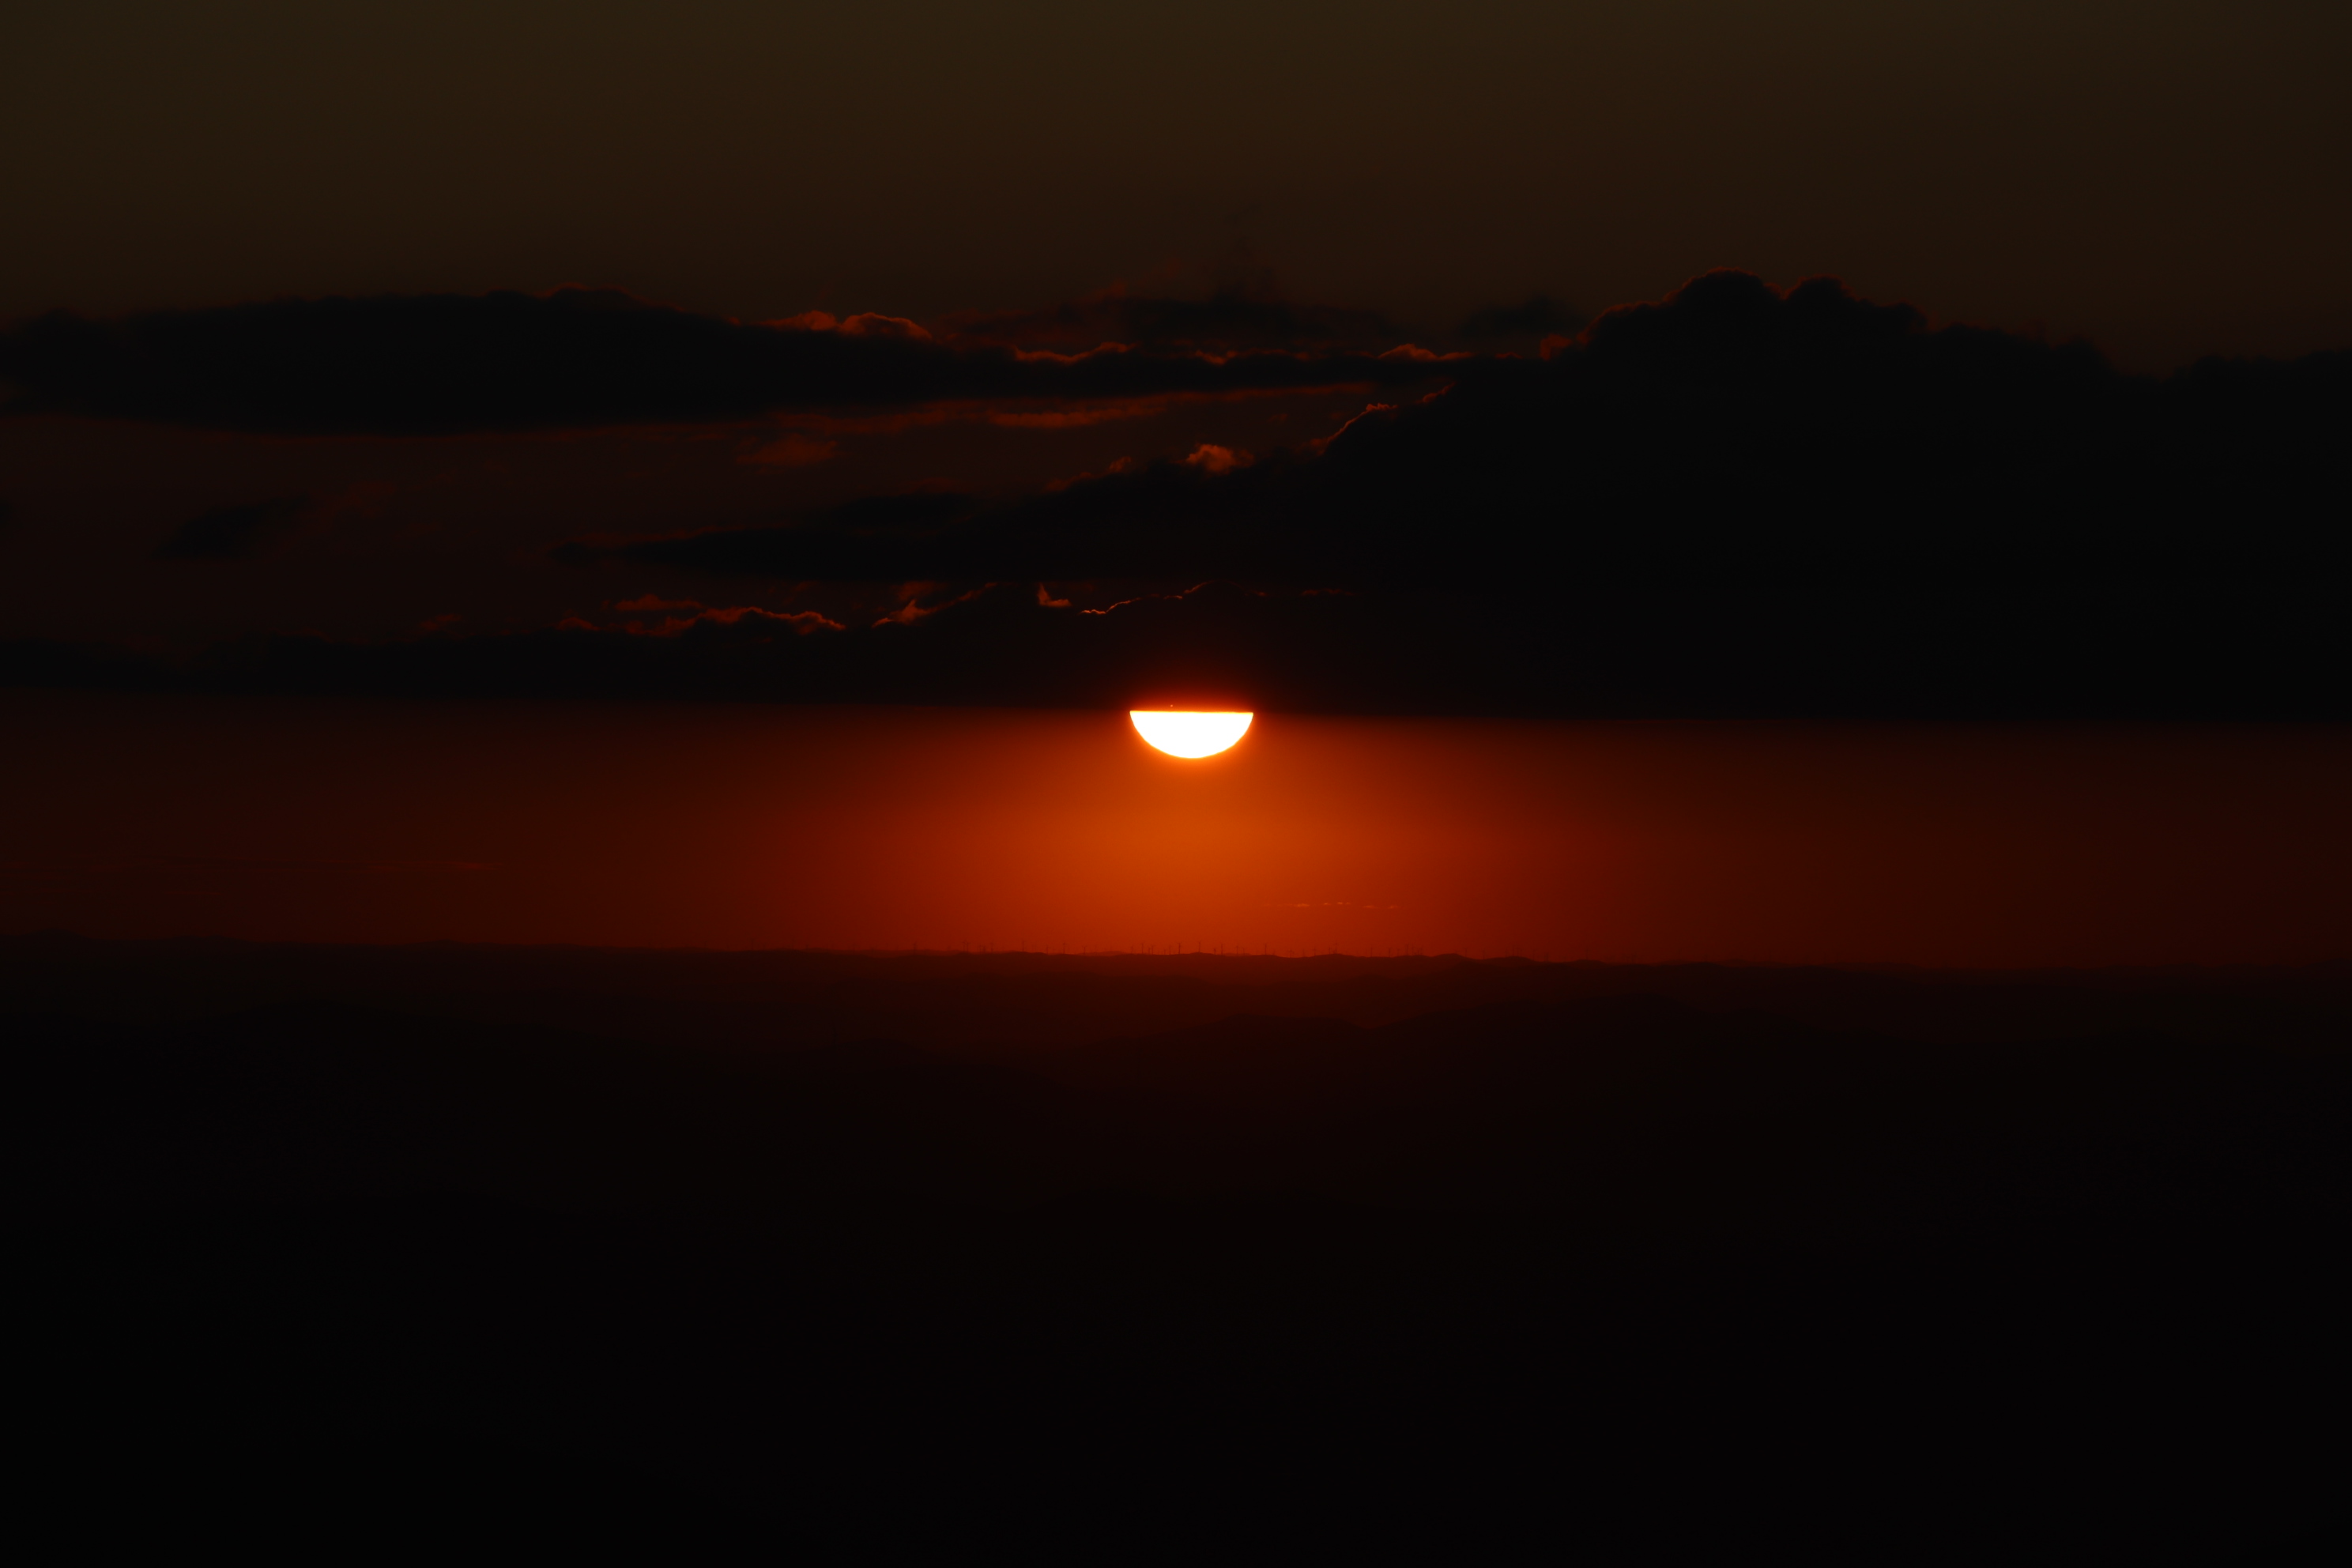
1189 735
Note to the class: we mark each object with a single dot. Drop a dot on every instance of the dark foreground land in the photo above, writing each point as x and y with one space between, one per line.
1175 1258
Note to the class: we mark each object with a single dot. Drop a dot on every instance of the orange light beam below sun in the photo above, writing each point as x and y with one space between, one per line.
1189 735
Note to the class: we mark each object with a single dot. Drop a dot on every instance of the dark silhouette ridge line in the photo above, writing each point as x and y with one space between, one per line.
787 996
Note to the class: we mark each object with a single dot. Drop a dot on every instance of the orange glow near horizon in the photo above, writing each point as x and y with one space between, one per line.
884 829
1189 735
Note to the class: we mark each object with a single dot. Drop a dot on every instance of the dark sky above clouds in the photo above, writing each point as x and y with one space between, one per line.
2168 177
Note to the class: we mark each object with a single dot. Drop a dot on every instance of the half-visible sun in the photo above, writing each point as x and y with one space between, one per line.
1189 735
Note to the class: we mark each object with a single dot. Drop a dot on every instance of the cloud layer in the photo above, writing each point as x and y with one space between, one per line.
443 363
1732 501
1730 433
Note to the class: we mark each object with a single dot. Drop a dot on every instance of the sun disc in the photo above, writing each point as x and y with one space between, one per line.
1189 735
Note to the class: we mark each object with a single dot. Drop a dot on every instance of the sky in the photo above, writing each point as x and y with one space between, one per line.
1807 366
2166 178
887 828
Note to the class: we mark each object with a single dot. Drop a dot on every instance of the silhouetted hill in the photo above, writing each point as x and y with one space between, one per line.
1117 1257
785 999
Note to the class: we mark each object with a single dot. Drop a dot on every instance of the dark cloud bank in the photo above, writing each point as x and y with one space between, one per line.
438 365
1735 501
234 532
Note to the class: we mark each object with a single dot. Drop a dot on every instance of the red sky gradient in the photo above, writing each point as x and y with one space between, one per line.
752 826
